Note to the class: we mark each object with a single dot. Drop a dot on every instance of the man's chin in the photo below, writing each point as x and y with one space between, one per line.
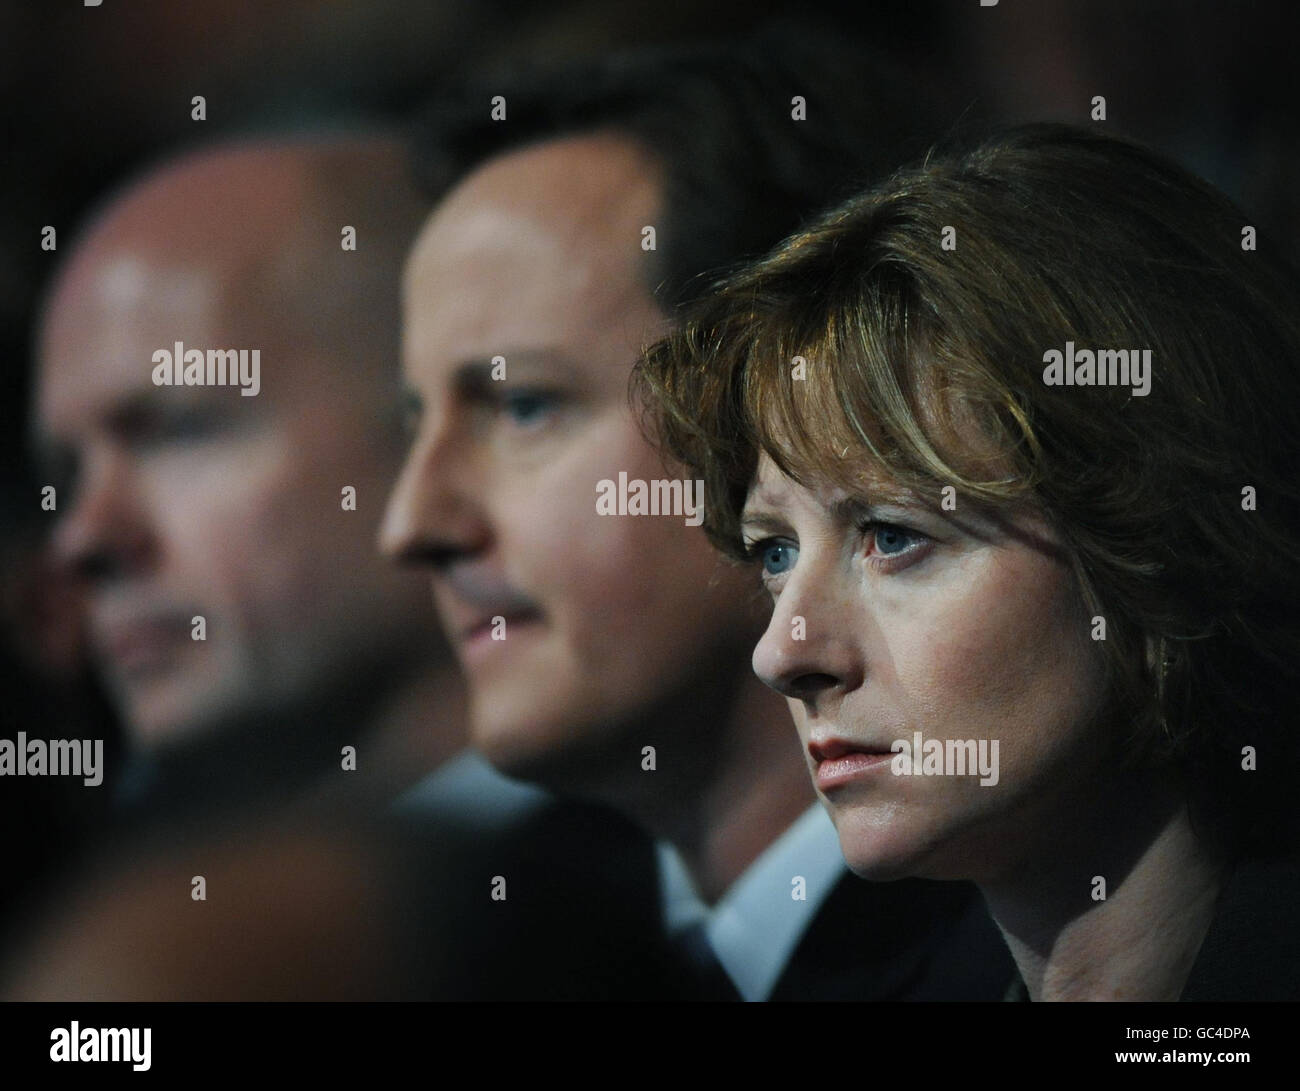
562 750
168 713
158 730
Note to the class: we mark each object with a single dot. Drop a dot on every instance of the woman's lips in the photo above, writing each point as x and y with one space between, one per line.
837 762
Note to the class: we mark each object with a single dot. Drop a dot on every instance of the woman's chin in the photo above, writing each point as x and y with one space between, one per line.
884 851
881 855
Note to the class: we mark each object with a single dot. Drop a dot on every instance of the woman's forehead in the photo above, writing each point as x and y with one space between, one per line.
859 480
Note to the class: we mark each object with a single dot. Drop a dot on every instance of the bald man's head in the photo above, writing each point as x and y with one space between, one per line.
298 243
188 501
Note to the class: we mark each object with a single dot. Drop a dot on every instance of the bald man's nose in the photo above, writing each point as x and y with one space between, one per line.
104 531
432 513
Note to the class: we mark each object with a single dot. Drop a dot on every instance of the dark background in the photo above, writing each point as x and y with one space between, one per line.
91 96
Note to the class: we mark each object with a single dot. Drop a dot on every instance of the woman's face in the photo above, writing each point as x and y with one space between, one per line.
893 616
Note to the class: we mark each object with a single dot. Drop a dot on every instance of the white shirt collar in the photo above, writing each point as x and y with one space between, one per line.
468 788
756 926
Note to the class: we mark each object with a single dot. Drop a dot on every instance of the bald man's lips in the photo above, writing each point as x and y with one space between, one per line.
143 644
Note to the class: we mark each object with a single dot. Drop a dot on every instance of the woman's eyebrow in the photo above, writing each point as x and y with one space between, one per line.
856 509
849 509
763 520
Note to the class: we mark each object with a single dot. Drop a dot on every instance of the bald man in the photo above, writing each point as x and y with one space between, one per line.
215 403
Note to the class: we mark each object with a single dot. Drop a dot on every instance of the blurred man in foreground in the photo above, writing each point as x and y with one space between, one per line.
216 402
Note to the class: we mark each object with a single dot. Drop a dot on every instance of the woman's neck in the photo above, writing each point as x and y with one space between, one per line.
1118 910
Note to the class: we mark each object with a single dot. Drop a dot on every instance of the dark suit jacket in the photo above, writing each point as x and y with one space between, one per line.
908 940
1252 950
582 923
580 920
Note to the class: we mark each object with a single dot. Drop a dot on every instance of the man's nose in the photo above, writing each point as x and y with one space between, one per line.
809 650
433 512
104 530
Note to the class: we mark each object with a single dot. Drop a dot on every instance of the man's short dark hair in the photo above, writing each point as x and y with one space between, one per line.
741 171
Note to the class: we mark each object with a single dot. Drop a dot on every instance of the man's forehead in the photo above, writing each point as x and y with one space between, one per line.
112 308
99 333
122 285
590 172
487 275
556 199
167 249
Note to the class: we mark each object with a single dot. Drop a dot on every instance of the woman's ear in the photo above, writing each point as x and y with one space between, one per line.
1157 659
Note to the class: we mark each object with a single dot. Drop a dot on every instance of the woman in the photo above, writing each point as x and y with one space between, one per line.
1013 441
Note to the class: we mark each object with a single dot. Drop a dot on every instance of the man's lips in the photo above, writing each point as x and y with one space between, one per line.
142 643
484 626
487 636
837 761
473 599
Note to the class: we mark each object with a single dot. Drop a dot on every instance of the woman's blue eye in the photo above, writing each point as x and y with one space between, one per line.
777 557
891 540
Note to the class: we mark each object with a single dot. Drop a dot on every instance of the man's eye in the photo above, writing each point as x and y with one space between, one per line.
528 407
182 426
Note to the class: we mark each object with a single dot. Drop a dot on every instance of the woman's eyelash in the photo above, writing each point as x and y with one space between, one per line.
873 527
881 538
758 552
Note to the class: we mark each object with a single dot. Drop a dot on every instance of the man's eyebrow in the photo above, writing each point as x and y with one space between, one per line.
475 374
123 411
53 453
144 405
